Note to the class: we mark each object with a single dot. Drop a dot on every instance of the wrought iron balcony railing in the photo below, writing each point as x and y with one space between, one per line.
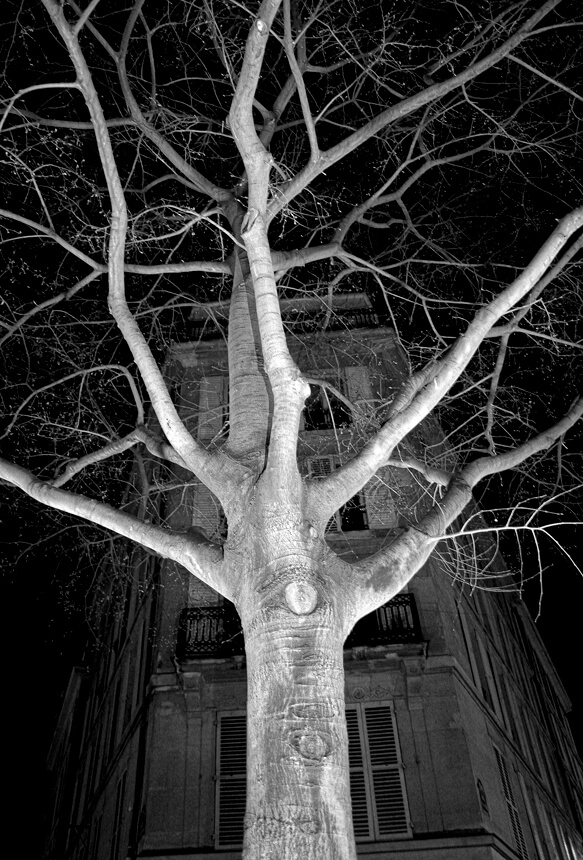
215 631
299 323
209 631
395 623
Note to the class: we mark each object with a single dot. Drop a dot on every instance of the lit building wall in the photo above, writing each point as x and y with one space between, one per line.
459 745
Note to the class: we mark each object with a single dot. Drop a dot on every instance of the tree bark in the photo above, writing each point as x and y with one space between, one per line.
298 786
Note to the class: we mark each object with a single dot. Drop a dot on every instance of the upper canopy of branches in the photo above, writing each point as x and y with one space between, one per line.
420 152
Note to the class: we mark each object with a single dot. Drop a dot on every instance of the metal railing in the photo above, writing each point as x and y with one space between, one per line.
209 631
395 623
300 323
215 631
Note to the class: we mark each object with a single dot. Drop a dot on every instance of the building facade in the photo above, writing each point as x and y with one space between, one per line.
458 739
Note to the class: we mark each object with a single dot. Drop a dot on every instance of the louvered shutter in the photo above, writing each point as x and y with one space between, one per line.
321 467
391 815
377 786
212 406
376 774
362 817
380 503
231 779
511 806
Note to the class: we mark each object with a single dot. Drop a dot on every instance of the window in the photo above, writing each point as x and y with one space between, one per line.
484 685
118 818
511 806
323 410
471 662
231 779
508 710
483 797
351 516
377 787
536 827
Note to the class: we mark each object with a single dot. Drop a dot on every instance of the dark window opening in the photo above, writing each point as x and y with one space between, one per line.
353 515
325 411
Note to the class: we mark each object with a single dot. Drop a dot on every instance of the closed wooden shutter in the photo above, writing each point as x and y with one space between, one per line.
380 502
231 779
212 407
511 806
362 809
377 786
391 815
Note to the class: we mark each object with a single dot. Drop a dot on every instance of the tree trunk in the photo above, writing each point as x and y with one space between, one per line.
298 784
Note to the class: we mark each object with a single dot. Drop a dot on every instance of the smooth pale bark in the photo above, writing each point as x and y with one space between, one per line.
298 791
295 616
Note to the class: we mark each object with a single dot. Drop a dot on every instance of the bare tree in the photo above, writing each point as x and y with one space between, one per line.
176 153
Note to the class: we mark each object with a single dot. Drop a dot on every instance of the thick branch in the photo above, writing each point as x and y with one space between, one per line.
201 558
284 260
182 166
118 446
85 125
299 80
432 474
197 458
510 459
218 267
248 386
383 575
289 392
336 489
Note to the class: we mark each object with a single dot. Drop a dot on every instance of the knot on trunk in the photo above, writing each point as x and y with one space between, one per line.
301 597
312 746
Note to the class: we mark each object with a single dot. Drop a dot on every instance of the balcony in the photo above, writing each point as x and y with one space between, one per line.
215 631
395 623
300 322
209 631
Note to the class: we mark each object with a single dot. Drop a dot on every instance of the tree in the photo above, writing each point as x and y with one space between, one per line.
174 152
